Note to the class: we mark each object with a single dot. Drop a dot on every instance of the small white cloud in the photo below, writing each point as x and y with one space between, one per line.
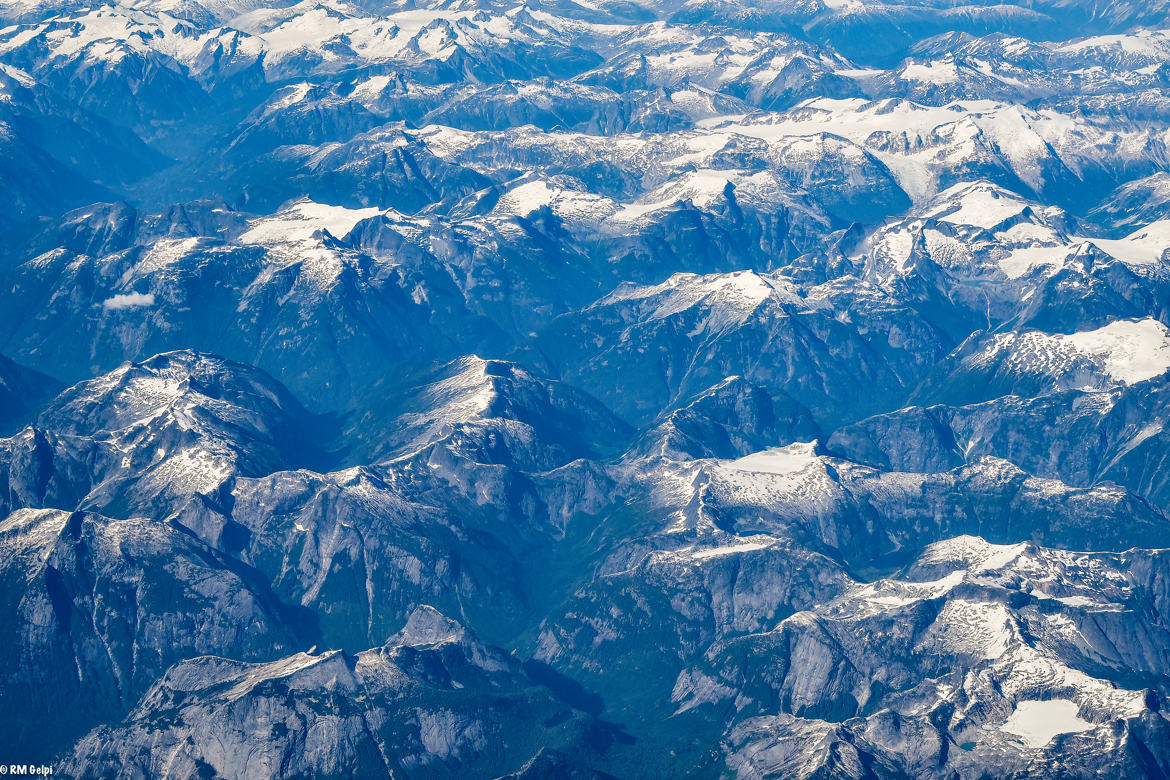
129 301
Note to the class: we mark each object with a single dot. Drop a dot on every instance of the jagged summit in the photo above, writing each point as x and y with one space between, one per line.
493 411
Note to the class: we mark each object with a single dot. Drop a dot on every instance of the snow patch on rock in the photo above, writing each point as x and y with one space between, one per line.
1039 722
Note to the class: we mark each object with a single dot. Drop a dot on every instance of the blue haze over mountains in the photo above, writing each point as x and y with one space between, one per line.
723 388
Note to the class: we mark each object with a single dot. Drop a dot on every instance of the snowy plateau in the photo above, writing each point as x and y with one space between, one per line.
585 389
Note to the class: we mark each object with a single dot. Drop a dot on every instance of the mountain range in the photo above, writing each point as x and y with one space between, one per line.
585 388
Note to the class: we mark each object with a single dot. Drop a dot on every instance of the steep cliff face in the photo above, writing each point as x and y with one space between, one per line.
99 608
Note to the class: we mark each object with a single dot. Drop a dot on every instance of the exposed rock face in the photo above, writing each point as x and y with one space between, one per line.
996 645
432 701
99 608
150 435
